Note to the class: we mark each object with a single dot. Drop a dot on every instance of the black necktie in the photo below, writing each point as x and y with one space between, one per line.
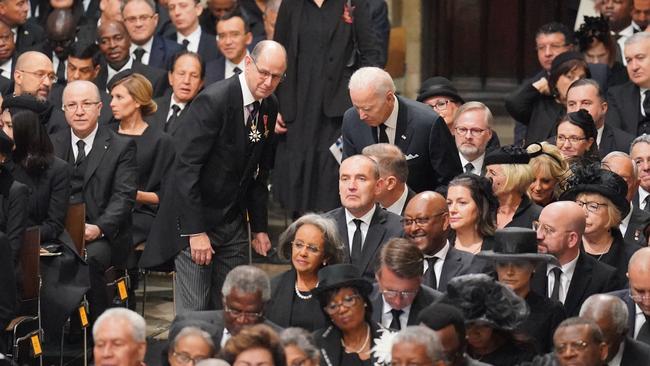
555 294
644 332
253 108
60 71
383 136
646 208
469 167
173 117
395 323
185 43
236 70
81 152
356 243
644 124
139 52
430 276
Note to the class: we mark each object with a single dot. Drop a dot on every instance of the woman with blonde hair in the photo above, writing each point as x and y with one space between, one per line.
549 169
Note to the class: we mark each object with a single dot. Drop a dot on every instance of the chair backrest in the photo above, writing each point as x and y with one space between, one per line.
29 262
75 225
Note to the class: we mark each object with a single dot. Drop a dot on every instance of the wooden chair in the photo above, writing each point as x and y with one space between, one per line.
30 305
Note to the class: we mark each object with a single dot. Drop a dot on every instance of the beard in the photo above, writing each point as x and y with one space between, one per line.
469 150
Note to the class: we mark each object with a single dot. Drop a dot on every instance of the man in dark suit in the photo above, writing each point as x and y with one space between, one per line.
362 225
27 35
114 44
219 180
184 14
640 154
634 224
426 224
472 131
104 178
7 55
245 291
637 298
578 276
394 194
378 115
627 103
399 296
186 80
574 331
60 29
147 47
233 38
611 315
587 94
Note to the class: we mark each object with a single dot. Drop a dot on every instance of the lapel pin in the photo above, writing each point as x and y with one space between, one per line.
403 137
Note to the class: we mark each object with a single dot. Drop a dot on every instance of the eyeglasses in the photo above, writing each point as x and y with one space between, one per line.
298 246
420 221
440 105
639 298
266 74
552 46
590 206
242 314
392 294
42 75
546 230
475 132
348 302
142 18
561 139
85 106
184 359
576 345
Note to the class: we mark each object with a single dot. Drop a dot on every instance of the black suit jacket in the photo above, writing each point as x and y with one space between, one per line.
159 119
157 77
635 353
589 277
218 173
207 44
635 228
425 297
419 134
215 70
13 210
614 139
624 107
383 227
110 184
6 86
162 52
28 37
457 263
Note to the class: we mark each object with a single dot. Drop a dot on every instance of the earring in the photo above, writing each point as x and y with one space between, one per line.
324 263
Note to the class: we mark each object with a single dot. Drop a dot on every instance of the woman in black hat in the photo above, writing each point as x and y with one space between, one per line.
493 314
343 296
601 193
511 177
596 43
576 137
515 257
541 104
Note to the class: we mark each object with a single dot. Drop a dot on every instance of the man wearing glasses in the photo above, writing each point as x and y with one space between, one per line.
578 276
472 131
579 341
637 297
399 296
34 75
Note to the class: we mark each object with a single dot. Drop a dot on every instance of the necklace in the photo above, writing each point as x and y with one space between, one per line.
363 346
301 296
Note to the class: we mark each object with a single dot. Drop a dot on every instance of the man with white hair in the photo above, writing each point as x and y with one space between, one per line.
119 335
417 345
472 130
379 116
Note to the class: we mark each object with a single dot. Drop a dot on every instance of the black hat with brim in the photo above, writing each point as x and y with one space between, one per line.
508 154
338 276
438 86
516 244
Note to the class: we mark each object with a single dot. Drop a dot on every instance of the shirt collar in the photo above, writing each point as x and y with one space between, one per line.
230 65
567 269
616 360
642 195
392 118
398 205
245 91
193 37
599 134
365 218
6 67
478 162
146 46
388 308
174 102
126 66
441 254
88 139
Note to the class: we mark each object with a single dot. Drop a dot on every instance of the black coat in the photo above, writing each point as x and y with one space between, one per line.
526 213
635 228
110 184
217 173
624 107
635 353
215 70
159 119
328 340
383 227
457 263
338 52
162 52
614 139
540 113
418 134
207 44
29 36
14 198
589 277
8 294
545 315
425 297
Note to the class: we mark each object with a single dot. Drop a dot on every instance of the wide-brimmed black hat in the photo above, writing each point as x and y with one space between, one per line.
486 301
516 243
438 85
341 275
592 178
508 154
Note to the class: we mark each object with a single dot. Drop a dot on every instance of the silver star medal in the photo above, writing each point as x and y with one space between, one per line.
254 135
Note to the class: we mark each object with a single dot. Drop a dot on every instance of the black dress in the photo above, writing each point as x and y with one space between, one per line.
509 354
155 155
618 256
526 213
545 315
286 309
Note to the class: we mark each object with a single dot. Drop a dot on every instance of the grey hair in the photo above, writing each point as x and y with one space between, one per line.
645 138
620 154
151 4
636 38
476 106
212 362
599 306
249 280
192 331
138 325
422 335
301 339
264 46
372 77
333 245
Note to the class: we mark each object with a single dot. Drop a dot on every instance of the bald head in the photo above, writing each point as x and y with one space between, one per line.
431 236
61 28
575 219
638 273
83 87
34 75
561 225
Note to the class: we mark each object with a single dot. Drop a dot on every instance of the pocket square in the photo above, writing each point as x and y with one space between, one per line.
411 156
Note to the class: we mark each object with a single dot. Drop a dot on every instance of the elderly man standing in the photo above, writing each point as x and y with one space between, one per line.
417 345
120 338
379 116
637 298
610 313
224 153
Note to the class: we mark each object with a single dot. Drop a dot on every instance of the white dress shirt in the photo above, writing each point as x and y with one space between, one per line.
147 51
642 91
391 123
387 316
248 97
437 267
352 227
639 320
230 67
599 134
642 195
565 278
112 72
225 336
6 68
616 361
55 65
193 37
173 102
398 206
477 163
626 221
88 140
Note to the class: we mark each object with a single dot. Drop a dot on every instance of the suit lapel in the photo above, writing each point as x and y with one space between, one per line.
633 115
376 232
100 145
539 282
377 304
403 130
607 140
285 290
579 281
62 145
450 268
342 224
417 305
